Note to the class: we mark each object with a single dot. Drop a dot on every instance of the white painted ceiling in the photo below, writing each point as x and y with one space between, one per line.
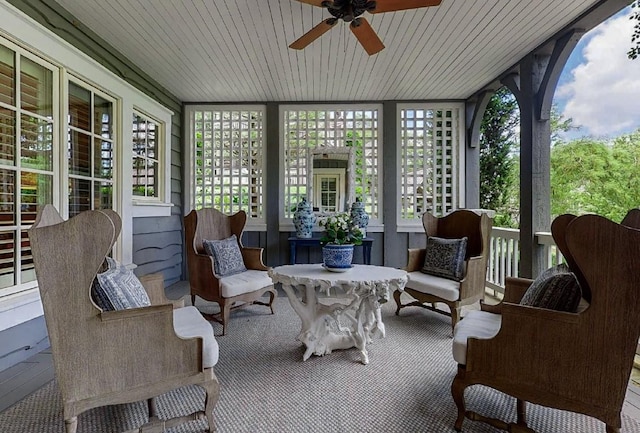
237 50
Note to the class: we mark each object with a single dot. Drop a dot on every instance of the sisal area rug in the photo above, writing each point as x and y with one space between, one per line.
265 386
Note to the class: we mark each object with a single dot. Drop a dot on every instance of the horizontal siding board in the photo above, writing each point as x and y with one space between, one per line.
157 225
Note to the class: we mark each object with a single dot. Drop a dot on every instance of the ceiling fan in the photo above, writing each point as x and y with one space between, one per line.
350 11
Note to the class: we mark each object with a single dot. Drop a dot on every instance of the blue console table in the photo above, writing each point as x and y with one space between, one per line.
314 241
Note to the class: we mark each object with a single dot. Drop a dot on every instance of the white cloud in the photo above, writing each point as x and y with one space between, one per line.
603 91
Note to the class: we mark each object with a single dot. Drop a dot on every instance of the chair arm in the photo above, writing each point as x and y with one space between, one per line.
154 285
528 337
514 289
415 260
123 359
252 257
474 281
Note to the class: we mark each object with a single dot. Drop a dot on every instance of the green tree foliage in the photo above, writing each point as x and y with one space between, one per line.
498 140
593 176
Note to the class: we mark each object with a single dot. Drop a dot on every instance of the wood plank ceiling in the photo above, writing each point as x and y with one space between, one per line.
237 50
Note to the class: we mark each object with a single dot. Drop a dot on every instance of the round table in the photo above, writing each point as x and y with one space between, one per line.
347 312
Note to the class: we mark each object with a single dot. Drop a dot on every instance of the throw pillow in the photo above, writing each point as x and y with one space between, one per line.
117 288
227 257
445 257
556 288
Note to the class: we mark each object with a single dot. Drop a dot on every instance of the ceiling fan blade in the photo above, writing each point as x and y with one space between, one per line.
399 5
312 2
366 36
313 34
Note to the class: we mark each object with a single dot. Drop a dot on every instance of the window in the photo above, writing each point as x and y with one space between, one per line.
328 189
90 149
228 159
27 116
305 128
147 134
430 159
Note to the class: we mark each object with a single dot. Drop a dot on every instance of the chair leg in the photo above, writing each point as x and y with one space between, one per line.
226 312
212 390
455 316
521 409
193 300
71 424
612 429
457 392
272 297
396 297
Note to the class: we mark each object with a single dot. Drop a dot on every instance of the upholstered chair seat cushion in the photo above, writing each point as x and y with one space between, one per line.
441 287
189 323
244 282
475 324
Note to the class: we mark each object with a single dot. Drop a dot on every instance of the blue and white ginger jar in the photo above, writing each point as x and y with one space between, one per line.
359 216
304 219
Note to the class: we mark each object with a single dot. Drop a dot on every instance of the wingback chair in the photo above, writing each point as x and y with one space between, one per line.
578 361
232 291
427 288
112 357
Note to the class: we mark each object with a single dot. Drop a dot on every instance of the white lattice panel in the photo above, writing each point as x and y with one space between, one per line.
228 172
357 126
430 140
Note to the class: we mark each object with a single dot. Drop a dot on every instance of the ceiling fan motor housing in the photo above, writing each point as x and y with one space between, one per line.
348 10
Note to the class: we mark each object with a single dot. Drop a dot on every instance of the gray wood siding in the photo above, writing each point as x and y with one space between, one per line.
158 241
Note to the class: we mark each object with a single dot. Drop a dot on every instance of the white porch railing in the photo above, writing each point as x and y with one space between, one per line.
504 255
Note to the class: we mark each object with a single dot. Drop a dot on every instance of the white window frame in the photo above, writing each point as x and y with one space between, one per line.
24 32
160 152
458 159
339 174
375 224
253 223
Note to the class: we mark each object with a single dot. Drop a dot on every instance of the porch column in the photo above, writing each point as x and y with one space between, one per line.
535 183
475 108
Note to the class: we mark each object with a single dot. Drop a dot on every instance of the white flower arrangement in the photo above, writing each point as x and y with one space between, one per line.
340 229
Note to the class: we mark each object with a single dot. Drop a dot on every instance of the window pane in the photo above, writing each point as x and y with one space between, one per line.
103 195
36 190
79 107
36 143
79 153
139 176
103 124
7 75
36 89
151 140
79 196
28 272
7 136
7 257
103 158
7 198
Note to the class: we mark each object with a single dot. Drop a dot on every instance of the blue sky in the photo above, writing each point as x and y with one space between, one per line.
600 86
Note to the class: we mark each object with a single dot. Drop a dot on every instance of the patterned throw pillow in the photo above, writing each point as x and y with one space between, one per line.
118 288
555 289
227 258
445 257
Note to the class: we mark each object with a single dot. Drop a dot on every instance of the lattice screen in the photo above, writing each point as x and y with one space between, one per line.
309 127
229 171
429 160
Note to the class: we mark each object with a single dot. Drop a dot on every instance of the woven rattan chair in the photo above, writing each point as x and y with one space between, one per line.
578 362
113 357
427 290
229 292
